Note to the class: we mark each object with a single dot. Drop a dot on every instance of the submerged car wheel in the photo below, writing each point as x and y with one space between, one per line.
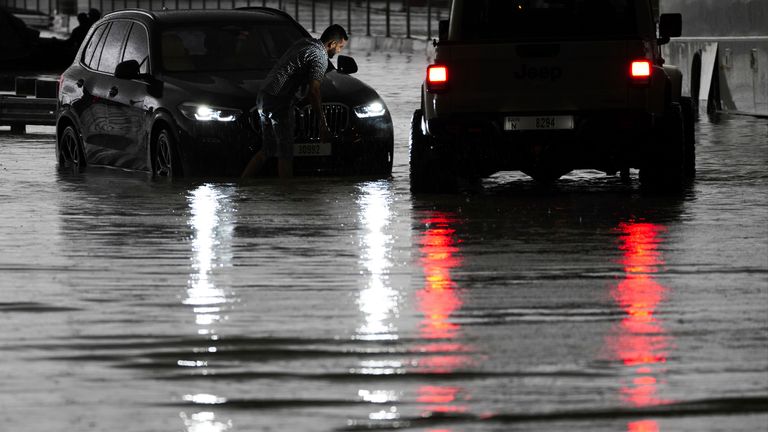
165 156
664 166
431 171
69 150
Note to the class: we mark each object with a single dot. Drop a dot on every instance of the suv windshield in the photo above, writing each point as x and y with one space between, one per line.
210 47
534 19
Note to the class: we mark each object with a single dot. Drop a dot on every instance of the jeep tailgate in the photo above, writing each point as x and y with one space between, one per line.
538 77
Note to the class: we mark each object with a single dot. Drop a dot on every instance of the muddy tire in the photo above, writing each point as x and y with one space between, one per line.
166 162
431 168
69 150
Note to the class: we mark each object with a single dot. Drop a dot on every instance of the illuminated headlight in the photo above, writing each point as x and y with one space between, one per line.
373 109
208 113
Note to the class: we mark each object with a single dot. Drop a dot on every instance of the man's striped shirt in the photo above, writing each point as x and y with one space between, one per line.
305 60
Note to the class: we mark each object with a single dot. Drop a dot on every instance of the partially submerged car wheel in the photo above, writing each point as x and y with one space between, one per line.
165 156
69 150
664 165
430 172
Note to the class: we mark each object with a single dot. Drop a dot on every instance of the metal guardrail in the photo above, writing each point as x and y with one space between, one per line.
389 18
32 101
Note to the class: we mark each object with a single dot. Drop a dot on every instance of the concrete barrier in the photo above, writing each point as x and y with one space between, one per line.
723 53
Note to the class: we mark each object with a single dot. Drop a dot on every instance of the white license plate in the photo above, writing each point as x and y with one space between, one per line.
312 149
538 123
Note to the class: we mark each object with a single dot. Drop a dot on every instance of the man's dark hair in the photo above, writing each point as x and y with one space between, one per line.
334 32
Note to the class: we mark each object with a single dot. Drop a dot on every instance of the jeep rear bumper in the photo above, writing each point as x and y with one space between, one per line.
602 140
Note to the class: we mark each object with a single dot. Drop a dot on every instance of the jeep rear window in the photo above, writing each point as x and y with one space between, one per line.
546 19
212 47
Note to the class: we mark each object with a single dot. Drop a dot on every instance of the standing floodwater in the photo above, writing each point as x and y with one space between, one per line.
345 304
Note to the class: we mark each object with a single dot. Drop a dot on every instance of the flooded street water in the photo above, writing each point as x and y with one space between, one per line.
325 304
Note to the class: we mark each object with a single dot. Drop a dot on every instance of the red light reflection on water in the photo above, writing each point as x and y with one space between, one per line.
643 426
438 300
641 342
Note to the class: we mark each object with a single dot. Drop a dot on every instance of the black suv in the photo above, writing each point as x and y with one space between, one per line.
549 86
172 93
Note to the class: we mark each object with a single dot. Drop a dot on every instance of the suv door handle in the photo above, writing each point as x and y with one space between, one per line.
80 83
113 92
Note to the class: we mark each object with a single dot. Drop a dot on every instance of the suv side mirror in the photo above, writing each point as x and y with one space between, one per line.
128 70
347 65
670 25
442 30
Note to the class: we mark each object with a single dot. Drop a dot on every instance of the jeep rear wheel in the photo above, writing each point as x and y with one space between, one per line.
664 164
431 170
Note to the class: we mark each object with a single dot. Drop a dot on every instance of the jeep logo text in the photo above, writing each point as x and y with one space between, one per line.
551 73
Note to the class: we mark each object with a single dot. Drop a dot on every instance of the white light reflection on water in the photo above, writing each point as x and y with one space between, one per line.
211 211
204 421
378 301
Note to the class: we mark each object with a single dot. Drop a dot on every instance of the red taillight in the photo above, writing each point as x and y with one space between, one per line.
640 71
437 77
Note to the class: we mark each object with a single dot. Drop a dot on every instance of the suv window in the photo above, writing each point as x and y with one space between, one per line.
112 52
226 46
137 48
91 54
547 19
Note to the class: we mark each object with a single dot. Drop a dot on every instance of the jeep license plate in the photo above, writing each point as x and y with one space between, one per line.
312 149
538 123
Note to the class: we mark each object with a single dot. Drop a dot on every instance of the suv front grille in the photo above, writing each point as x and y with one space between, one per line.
307 126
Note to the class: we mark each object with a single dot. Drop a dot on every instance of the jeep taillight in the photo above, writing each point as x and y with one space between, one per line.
640 71
437 78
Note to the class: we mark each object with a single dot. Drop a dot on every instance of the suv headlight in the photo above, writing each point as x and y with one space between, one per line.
373 109
203 112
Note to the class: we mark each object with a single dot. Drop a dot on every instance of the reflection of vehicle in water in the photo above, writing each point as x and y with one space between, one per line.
549 86
723 53
171 93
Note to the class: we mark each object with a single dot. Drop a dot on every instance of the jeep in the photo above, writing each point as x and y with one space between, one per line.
550 86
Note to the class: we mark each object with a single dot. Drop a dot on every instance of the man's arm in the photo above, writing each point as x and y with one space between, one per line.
317 106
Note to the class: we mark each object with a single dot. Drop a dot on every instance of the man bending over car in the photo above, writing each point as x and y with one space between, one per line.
305 62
